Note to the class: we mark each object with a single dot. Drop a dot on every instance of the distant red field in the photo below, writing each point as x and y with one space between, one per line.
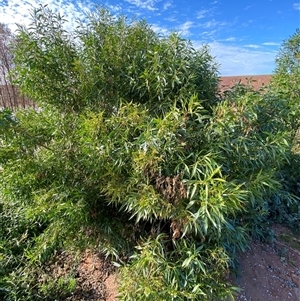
257 81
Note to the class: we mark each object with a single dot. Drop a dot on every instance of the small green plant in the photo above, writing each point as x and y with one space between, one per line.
190 271
293 241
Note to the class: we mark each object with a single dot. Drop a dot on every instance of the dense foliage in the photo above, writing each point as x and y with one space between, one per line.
285 81
135 154
108 60
285 85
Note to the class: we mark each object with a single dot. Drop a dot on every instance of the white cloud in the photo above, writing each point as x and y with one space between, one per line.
160 30
248 7
171 19
246 24
209 24
16 11
236 60
213 23
184 28
114 8
271 44
145 4
252 46
230 39
296 6
208 34
167 5
202 13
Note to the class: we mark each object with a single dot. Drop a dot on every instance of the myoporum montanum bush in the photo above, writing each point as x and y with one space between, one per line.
133 153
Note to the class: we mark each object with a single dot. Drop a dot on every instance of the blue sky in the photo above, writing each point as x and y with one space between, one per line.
244 37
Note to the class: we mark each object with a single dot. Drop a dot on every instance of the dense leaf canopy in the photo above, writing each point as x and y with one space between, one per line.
134 153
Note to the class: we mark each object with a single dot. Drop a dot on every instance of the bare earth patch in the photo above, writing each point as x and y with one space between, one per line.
111 288
257 81
269 272
95 278
266 272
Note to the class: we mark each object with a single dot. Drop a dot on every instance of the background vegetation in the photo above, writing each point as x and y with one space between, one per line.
9 94
134 153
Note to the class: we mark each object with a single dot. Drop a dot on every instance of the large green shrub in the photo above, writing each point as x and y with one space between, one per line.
108 59
132 147
285 84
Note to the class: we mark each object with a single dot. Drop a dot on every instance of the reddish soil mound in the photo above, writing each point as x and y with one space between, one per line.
257 81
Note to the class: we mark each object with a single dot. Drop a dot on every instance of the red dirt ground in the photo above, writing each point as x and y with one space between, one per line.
266 272
257 81
269 272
